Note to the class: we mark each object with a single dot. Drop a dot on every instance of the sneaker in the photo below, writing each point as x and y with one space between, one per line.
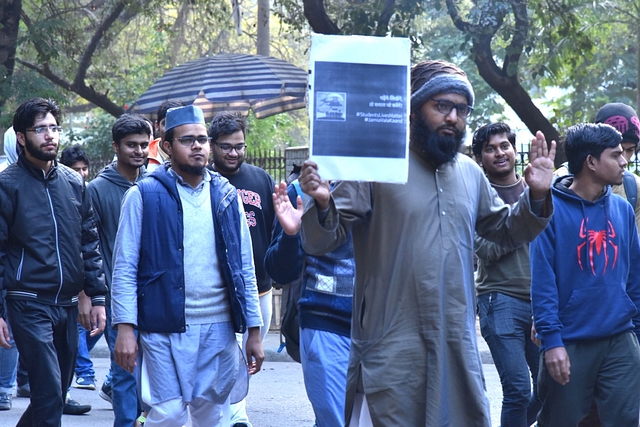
74 408
23 390
87 383
5 401
105 392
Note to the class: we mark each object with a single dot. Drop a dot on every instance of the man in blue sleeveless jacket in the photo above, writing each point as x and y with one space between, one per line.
184 276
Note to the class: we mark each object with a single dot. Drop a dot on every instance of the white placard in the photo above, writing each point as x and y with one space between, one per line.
359 105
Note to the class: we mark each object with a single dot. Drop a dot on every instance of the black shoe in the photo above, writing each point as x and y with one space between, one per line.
74 408
23 390
240 425
105 392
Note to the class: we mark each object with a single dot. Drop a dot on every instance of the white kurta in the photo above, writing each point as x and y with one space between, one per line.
414 352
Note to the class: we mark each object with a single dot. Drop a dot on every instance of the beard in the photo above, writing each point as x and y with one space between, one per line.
34 150
431 146
192 170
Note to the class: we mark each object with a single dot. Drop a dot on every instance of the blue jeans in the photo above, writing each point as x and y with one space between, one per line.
8 365
84 365
505 323
325 358
124 386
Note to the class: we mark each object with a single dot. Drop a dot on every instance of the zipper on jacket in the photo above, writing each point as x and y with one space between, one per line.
19 272
55 228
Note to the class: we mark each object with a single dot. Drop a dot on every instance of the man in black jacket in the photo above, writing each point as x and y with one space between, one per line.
48 254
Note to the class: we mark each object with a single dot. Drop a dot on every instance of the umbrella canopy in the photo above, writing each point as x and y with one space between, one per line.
230 81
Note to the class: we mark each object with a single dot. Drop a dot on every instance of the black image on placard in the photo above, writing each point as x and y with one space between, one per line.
351 118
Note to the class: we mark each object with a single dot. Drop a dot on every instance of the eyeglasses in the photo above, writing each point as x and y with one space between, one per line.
42 129
188 141
227 148
446 107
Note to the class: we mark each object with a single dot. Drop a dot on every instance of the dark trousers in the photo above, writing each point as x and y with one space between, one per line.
606 371
47 339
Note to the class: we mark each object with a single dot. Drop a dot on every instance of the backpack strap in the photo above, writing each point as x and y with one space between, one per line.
630 188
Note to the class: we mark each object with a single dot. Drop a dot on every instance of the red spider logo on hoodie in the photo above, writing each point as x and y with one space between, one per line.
600 244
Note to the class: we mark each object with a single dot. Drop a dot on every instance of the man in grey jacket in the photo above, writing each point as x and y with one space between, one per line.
131 135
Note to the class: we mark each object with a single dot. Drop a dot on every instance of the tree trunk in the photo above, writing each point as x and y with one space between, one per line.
510 89
262 42
9 25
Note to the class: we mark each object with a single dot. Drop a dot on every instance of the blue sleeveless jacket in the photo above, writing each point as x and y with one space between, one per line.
161 295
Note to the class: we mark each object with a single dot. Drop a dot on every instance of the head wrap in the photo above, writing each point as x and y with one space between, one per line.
442 83
623 118
183 116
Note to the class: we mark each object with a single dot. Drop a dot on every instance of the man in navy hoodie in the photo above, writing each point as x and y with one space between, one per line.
585 289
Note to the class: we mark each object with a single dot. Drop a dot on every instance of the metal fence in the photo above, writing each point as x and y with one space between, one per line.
273 161
522 159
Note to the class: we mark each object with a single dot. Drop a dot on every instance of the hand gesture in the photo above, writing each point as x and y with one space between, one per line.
313 185
289 217
539 172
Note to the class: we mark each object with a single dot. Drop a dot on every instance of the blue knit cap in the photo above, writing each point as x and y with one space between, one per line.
442 83
183 116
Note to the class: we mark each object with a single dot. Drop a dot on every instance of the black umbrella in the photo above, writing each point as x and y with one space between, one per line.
230 81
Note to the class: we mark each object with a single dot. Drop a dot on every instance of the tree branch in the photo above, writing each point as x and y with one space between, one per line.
514 50
88 93
318 19
87 56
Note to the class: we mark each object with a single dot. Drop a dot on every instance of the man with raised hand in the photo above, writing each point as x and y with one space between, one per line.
414 297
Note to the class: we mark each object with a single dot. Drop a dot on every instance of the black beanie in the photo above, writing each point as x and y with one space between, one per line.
623 118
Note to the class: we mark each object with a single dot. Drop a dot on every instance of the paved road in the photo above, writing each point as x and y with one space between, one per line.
277 397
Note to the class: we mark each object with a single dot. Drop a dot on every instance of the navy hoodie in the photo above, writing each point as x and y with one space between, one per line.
585 269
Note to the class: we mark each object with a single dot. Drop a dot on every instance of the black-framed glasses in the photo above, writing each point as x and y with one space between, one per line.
227 148
446 107
188 141
39 130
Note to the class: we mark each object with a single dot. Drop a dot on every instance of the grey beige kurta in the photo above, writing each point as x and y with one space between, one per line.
414 350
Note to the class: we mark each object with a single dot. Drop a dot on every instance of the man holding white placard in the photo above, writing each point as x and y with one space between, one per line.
414 358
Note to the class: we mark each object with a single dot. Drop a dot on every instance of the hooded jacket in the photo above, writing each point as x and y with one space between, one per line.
106 191
585 282
48 238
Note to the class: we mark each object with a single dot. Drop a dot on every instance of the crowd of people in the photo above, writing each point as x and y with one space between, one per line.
170 251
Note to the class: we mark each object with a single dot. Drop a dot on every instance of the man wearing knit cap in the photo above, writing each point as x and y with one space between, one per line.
183 275
414 357
625 120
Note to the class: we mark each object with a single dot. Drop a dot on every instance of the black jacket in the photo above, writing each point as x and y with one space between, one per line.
48 237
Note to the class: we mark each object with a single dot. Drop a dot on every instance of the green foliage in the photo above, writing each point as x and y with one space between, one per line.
282 130
22 86
96 141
